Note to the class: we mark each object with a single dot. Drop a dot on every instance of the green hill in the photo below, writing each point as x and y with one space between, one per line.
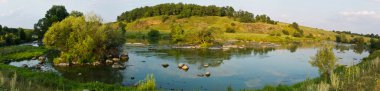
224 23
243 31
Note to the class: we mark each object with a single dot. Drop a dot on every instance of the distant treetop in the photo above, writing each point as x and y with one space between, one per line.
187 10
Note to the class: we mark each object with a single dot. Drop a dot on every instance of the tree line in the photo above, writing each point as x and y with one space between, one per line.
187 10
13 36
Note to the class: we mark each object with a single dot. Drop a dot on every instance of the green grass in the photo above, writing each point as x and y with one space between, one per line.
28 80
361 77
15 53
244 31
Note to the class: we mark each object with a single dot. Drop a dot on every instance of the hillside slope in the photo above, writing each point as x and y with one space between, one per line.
243 31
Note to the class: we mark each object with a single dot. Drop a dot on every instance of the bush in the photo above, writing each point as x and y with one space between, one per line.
153 36
230 30
297 34
83 40
286 32
164 18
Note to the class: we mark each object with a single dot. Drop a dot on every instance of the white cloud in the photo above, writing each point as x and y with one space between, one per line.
7 13
3 1
358 13
375 0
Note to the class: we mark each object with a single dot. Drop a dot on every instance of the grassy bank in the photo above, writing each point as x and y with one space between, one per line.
13 78
15 53
361 77
225 28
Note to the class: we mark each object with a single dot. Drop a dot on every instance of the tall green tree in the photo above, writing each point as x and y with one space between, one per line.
83 40
54 14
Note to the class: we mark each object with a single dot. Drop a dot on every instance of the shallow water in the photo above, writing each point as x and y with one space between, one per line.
237 68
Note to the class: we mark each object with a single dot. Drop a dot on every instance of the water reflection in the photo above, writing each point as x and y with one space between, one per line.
239 68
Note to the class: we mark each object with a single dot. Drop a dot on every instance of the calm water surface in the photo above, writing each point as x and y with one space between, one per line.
237 68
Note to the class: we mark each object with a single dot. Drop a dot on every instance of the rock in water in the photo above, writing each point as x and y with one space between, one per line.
180 65
205 65
116 59
185 67
24 65
124 57
109 61
207 74
165 65
116 66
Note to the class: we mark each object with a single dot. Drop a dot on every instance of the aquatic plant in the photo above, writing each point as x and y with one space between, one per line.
148 84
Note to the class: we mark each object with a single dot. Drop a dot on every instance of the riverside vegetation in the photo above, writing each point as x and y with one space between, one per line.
82 39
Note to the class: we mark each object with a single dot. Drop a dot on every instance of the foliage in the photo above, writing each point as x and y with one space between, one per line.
13 36
207 35
15 53
325 60
342 38
374 44
83 40
177 34
28 80
286 32
76 13
188 10
54 14
299 32
358 40
149 84
230 30
153 36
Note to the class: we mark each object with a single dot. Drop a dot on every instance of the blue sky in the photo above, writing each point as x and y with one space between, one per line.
360 16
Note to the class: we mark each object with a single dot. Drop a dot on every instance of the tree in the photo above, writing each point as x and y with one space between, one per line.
177 34
76 13
187 10
83 40
153 36
325 60
206 35
21 34
295 25
54 14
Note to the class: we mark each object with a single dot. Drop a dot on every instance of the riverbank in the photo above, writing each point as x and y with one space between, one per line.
24 79
361 77
22 52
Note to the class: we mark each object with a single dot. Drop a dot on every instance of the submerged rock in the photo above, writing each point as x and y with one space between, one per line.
165 65
118 66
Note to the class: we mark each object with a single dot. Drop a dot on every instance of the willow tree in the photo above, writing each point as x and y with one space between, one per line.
82 39
325 60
